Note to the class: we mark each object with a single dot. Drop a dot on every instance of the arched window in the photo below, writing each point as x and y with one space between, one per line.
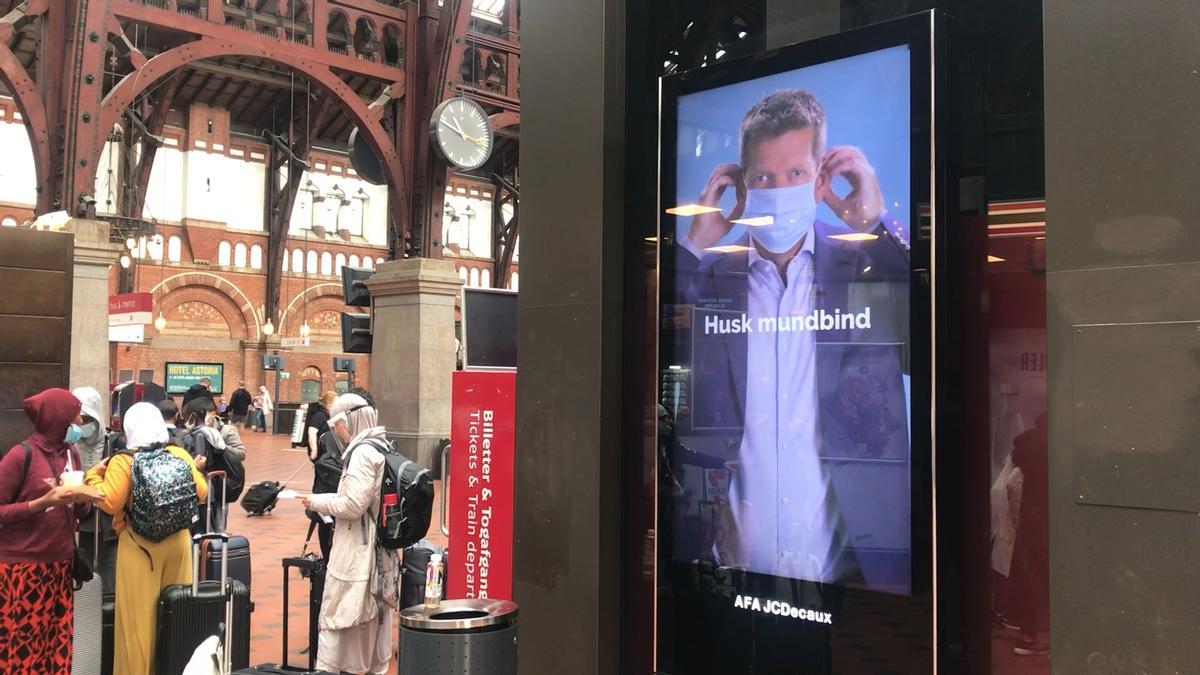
286 261
379 261
297 261
9 221
224 253
513 282
337 33
327 264
366 42
462 273
339 261
239 255
485 278
256 257
393 52
174 249
311 267
474 283
368 263
354 262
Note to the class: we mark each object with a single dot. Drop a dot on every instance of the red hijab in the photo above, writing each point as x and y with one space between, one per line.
51 412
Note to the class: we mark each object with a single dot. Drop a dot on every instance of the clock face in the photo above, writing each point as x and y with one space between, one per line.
462 133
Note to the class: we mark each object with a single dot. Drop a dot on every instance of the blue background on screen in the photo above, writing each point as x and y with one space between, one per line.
866 101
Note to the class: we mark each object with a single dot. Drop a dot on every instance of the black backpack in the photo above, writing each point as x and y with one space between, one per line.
405 497
217 460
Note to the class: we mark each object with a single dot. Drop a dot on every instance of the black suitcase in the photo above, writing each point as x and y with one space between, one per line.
412 573
311 567
190 614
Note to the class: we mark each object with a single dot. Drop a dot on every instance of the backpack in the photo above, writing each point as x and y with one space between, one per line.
197 445
327 471
405 498
164 495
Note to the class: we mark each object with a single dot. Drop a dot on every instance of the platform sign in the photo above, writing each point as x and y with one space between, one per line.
481 485
128 309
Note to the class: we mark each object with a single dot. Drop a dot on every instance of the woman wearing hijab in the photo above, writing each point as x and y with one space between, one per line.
144 567
92 449
38 518
361 578
263 404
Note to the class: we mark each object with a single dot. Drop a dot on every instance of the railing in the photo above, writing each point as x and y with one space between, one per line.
337 49
236 22
298 38
269 31
190 11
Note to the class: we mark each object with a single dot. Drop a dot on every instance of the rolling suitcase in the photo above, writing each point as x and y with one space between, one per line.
190 614
89 653
212 550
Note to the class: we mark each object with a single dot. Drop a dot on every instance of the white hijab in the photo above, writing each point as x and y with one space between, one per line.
362 420
266 397
144 426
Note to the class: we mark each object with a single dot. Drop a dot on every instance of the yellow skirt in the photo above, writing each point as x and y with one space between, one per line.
144 569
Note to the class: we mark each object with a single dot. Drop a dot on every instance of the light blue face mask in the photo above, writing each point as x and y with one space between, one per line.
74 433
785 215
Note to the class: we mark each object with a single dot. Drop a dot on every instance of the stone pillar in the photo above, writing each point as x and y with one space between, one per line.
94 258
413 355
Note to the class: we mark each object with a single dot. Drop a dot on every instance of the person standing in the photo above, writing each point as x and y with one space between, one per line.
170 415
215 446
93 448
362 578
144 567
263 406
239 405
201 390
317 423
39 518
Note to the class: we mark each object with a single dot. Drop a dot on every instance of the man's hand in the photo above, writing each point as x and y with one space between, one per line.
306 503
312 455
201 462
708 228
862 207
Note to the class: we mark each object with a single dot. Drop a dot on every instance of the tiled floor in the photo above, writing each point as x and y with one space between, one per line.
275 536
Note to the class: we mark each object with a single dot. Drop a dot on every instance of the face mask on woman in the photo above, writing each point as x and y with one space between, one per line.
74 433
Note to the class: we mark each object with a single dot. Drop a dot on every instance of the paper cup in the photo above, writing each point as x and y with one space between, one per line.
71 478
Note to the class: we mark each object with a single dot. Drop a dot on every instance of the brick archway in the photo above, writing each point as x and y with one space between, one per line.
318 305
292 315
224 305
238 305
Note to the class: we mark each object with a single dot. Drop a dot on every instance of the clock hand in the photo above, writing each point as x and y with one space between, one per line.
458 131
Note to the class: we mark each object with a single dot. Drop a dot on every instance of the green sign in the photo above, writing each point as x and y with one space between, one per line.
181 376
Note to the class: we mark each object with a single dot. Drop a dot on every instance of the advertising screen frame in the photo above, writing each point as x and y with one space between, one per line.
471 361
928 198
218 389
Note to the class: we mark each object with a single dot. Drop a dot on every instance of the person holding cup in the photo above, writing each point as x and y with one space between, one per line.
42 499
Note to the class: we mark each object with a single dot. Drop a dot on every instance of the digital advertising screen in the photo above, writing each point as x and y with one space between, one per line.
792 192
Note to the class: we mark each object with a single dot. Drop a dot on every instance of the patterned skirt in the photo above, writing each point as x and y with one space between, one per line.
36 618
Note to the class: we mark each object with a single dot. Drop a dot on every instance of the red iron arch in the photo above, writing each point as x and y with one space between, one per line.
162 65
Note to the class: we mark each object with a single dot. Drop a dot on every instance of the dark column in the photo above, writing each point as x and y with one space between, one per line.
568 485
1122 160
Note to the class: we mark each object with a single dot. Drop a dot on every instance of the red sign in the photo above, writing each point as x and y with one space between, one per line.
481 485
130 309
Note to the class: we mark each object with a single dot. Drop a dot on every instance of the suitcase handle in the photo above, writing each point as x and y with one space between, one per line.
226 641
224 495
443 517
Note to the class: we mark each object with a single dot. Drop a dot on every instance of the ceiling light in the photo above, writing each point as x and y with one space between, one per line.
692 210
125 261
161 322
731 248
995 258
652 240
305 331
268 328
855 236
759 221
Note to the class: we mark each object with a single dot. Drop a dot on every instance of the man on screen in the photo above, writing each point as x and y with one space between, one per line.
795 386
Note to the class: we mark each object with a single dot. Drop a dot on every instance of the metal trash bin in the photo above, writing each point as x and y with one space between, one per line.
462 637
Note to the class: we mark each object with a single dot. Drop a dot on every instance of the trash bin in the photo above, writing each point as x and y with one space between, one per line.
462 637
